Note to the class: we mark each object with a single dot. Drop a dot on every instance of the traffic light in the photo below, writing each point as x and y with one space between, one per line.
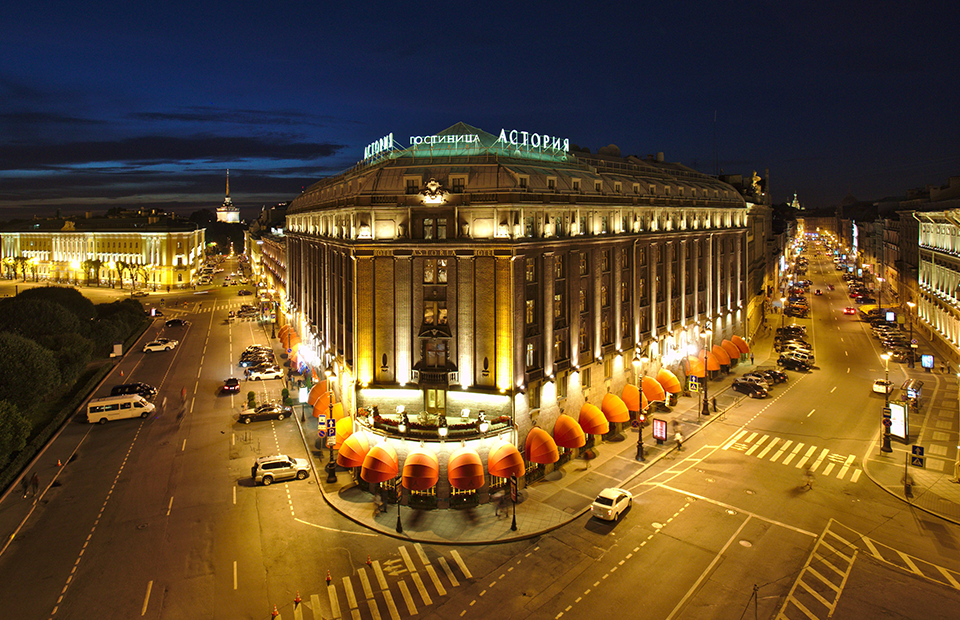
643 420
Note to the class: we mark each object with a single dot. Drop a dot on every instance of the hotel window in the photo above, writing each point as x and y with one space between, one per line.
636 188
604 296
598 186
435 313
559 267
607 368
679 191
576 185
562 385
559 346
558 226
605 261
583 301
584 335
624 291
653 190
624 258
531 269
435 271
534 397
558 306
585 378
458 184
531 312
604 224
625 322
643 256
435 354
618 187
693 192
524 181
583 263
434 228
531 359
583 224
551 182
666 190
413 186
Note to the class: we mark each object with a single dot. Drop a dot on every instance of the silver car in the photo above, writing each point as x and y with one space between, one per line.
269 469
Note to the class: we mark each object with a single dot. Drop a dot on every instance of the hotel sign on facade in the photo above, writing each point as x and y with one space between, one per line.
512 138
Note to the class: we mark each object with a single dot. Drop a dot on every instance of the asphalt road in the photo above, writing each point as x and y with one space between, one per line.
159 519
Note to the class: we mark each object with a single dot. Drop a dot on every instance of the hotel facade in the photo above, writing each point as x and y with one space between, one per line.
471 278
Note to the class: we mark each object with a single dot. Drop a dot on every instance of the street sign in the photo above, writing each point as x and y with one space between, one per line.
322 431
635 423
322 425
331 424
916 456
694 384
916 450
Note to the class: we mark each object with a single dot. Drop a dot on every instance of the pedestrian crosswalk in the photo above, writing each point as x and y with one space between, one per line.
395 588
787 452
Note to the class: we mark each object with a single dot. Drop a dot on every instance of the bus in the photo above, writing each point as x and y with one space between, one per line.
102 410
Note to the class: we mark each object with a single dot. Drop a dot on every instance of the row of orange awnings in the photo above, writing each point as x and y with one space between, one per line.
721 354
421 469
290 341
320 399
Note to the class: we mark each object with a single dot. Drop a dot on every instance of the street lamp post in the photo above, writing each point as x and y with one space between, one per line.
705 406
513 495
783 310
911 306
640 419
331 465
885 447
956 462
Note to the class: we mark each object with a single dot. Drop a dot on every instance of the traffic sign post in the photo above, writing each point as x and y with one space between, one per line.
322 425
693 384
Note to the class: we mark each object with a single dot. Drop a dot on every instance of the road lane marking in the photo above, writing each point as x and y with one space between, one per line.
146 599
170 505
406 560
781 451
459 561
391 606
790 456
407 598
846 466
834 387
811 412
436 580
234 574
334 601
365 583
735 439
421 588
806 456
381 580
757 445
823 455
351 595
768 448
856 475
234 496
448 571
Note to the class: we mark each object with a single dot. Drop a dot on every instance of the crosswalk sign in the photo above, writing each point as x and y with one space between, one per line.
694 383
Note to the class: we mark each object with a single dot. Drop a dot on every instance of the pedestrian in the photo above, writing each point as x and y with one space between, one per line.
678 437
35 483
24 485
808 478
713 401
751 358
163 404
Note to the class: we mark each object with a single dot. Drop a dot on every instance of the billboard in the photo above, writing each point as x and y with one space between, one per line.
899 420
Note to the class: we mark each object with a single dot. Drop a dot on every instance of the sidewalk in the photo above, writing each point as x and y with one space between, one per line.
546 504
935 428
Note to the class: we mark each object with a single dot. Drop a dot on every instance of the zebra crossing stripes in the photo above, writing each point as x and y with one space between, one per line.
345 600
799 455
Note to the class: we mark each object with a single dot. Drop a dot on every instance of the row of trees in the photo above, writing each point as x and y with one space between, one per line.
91 269
48 335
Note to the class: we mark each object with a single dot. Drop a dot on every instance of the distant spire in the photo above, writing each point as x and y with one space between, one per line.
228 182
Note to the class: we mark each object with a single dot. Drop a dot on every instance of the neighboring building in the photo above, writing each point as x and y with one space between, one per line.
507 275
939 281
227 212
152 251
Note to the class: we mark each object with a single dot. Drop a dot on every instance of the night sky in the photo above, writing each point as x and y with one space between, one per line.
139 104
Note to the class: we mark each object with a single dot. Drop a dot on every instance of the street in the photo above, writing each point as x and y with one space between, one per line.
159 519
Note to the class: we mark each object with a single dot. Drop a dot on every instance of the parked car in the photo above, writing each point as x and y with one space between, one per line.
774 376
256 358
883 386
142 389
611 503
243 292
865 300
265 371
160 344
792 363
903 355
268 469
757 378
266 411
230 386
798 330
750 388
259 347
177 323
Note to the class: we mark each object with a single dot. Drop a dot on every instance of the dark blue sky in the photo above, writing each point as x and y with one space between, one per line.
126 104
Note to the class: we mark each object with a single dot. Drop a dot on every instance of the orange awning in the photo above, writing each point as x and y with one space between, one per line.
380 463
731 350
614 409
353 450
504 460
283 331
315 392
540 447
631 397
337 411
567 433
421 470
322 406
644 403
653 390
695 367
344 430
592 421
721 355
465 470
668 381
712 363
741 344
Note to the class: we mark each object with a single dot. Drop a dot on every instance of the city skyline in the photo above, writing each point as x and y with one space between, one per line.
149 108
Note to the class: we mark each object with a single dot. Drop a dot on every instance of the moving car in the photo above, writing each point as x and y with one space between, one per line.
160 344
849 310
242 292
139 293
611 503
266 411
230 386
751 389
264 372
142 389
268 469
883 386
177 323
903 355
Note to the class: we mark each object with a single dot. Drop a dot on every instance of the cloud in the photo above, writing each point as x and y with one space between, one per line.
154 150
209 114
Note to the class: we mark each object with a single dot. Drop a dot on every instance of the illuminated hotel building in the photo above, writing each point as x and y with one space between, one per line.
507 274
152 251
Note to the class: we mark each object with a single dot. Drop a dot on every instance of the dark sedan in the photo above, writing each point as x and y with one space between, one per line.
774 376
230 386
750 389
267 411
177 323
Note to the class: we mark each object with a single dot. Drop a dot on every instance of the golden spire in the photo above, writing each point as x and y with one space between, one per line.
228 183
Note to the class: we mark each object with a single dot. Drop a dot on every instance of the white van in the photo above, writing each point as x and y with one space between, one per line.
100 410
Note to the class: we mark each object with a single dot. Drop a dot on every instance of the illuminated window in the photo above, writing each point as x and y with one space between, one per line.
604 295
607 368
435 271
530 357
558 306
583 263
605 330
560 267
585 378
584 335
531 269
562 385
531 311
559 346
458 184
605 261
435 313
583 301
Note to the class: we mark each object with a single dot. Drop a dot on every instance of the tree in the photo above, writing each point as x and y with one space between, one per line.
71 299
10 267
20 263
121 267
14 430
30 371
36 318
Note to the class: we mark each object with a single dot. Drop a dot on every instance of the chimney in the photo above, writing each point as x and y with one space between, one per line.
660 157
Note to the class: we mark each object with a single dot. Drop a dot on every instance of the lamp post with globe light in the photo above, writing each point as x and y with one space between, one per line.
783 310
911 306
885 447
705 407
637 363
